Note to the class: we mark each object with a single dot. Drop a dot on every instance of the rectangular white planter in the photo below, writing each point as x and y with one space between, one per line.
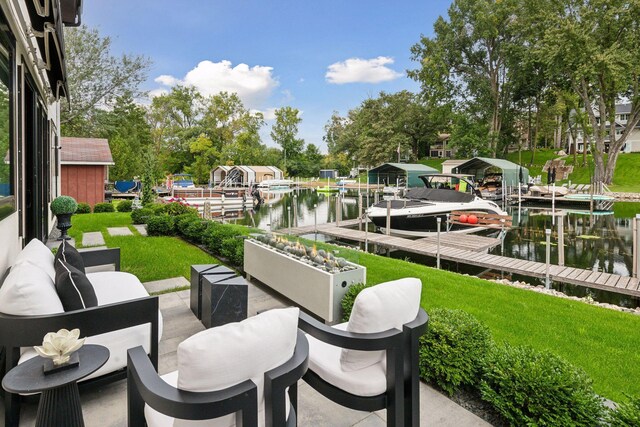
316 290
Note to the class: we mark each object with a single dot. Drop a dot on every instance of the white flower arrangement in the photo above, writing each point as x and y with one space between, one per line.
59 346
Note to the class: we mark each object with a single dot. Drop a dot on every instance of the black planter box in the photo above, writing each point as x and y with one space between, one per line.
224 299
198 271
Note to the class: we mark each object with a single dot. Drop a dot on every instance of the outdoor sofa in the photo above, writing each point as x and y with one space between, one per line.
125 315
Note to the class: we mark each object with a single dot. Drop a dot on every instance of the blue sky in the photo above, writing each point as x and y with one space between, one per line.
317 56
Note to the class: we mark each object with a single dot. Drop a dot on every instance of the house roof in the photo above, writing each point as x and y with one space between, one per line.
85 151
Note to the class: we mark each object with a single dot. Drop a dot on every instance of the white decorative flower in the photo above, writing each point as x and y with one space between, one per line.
60 345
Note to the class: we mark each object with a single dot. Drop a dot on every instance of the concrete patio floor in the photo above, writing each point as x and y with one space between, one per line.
106 406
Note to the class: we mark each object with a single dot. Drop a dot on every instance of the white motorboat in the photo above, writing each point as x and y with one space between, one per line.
276 184
416 213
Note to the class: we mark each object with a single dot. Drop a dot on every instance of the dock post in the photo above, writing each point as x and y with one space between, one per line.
375 197
547 282
359 211
295 210
315 222
270 219
561 240
289 219
366 233
338 209
388 228
553 204
438 220
636 246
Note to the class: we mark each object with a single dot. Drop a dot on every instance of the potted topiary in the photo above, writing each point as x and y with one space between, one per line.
63 207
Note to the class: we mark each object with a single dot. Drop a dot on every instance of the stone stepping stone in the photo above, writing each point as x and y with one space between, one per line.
165 284
93 238
119 231
142 229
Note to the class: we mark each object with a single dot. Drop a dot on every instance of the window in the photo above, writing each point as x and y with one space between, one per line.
7 189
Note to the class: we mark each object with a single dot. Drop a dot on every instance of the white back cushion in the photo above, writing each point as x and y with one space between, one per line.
228 355
29 291
378 309
37 254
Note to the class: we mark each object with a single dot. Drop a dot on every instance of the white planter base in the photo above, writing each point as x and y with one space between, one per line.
316 290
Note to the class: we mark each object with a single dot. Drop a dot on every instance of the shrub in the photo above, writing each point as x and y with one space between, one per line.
233 249
157 208
103 207
125 206
160 225
83 208
349 298
531 387
196 230
626 414
141 216
183 221
63 205
216 233
175 209
452 349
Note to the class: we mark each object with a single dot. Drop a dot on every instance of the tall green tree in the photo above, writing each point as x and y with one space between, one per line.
284 132
96 78
467 59
592 44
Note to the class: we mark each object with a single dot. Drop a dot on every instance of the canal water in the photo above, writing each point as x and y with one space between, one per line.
595 242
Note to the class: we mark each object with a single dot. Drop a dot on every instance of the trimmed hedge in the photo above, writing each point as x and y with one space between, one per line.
103 207
453 348
175 209
83 208
160 225
158 208
349 298
125 206
626 414
183 221
141 216
531 387
196 230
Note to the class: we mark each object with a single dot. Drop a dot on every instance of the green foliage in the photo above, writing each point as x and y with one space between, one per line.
284 133
626 414
531 387
196 230
124 206
452 349
349 298
147 178
158 208
175 209
103 207
160 225
63 205
183 221
215 234
83 208
141 216
232 248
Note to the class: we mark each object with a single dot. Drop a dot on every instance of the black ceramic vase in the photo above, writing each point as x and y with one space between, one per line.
63 224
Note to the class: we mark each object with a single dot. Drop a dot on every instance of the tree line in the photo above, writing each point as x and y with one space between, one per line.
494 76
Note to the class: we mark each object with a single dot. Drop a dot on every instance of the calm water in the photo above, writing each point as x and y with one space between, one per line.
598 242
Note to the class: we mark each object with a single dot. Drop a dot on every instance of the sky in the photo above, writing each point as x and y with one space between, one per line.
317 56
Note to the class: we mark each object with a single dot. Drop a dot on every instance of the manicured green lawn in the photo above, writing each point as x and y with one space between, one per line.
605 343
149 258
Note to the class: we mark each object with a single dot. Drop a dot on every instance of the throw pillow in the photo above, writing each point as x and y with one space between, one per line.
28 291
73 287
70 255
37 254
377 309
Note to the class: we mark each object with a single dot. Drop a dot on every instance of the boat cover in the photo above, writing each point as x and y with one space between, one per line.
125 186
439 195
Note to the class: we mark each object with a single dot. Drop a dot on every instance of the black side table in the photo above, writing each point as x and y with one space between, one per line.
60 401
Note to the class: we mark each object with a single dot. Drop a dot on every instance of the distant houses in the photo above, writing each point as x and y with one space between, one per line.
623 112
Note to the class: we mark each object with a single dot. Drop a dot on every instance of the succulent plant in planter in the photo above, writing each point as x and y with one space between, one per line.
63 207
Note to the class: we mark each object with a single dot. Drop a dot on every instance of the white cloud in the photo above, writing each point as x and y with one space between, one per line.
357 70
252 84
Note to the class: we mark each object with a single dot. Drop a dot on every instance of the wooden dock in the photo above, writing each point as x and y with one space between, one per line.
454 248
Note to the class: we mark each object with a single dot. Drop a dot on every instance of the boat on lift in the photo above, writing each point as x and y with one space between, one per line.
416 213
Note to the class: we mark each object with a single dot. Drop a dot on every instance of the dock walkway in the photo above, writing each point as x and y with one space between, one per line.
428 247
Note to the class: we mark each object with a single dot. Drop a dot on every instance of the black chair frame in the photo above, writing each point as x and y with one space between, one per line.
27 331
144 386
402 396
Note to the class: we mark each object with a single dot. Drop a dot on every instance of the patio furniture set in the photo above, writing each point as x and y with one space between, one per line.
250 373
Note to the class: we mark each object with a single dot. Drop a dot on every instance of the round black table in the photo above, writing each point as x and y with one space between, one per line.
60 401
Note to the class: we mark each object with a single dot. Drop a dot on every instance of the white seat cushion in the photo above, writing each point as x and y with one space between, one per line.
324 360
158 419
29 291
37 254
221 357
377 309
112 287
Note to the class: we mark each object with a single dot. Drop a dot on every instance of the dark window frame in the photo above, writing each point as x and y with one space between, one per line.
8 205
